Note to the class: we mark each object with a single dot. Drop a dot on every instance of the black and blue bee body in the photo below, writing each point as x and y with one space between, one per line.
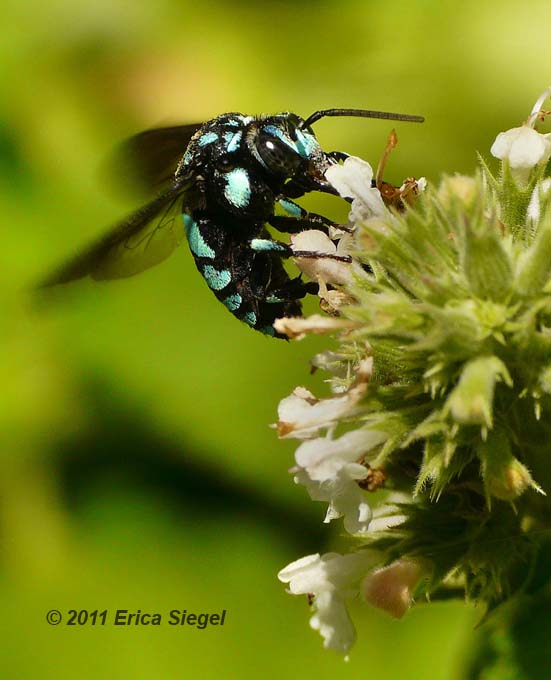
246 163
224 181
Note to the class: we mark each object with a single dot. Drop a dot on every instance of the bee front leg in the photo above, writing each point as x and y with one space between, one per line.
266 245
338 155
297 219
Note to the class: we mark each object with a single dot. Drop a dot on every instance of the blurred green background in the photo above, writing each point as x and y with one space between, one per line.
137 469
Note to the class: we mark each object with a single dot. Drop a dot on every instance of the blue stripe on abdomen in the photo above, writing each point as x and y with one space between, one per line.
197 243
233 302
217 279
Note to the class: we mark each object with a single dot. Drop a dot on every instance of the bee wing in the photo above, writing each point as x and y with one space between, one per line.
144 239
148 160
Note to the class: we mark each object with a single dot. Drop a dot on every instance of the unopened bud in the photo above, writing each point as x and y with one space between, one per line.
391 588
471 402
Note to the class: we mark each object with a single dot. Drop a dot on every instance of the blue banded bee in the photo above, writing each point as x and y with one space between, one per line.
220 184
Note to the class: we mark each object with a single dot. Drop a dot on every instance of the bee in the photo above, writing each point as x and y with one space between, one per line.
221 183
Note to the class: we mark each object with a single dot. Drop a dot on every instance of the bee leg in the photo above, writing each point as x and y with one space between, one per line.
267 245
296 189
338 155
315 255
298 219
294 290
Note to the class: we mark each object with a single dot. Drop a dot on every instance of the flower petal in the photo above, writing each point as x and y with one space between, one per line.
302 416
522 146
330 271
324 457
333 622
353 179
297 328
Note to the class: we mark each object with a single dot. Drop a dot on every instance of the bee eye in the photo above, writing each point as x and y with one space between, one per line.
278 156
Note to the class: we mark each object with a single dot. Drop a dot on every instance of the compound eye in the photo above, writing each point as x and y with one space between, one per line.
277 155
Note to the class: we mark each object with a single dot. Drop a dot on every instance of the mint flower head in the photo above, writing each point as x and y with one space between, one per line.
440 388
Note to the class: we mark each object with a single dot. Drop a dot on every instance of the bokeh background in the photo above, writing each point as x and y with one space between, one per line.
137 468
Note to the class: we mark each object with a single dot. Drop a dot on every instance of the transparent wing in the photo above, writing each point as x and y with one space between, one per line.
144 239
148 160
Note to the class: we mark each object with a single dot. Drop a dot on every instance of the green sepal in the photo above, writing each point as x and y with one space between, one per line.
488 277
471 401
534 265
505 477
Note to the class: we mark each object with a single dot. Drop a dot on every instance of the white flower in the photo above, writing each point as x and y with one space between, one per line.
421 184
523 147
391 588
329 271
333 622
330 572
327 467
329 470
324 458
302 416
330 579
348 501
353 179
296 327
388 515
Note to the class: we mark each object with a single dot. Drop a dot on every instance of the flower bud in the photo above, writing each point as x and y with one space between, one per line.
505 477
458 188
471 402
391 588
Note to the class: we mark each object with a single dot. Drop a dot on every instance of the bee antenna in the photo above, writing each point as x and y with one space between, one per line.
360 113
